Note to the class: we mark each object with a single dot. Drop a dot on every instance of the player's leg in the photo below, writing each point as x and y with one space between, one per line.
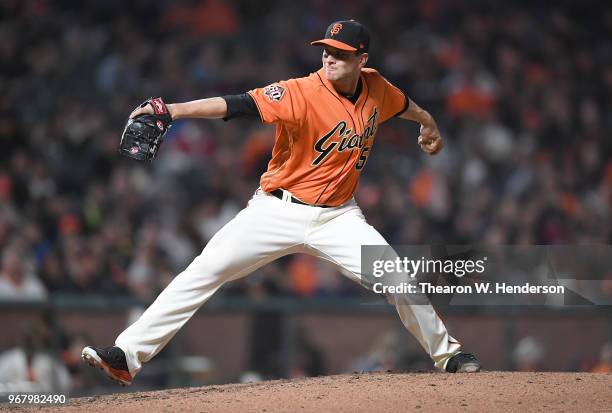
267 229
339 239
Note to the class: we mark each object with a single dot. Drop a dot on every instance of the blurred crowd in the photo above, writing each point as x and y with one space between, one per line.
520 92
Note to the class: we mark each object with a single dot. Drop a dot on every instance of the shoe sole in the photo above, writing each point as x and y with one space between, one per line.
90 356
469 368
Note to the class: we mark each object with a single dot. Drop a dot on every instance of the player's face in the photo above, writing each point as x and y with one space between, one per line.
339 64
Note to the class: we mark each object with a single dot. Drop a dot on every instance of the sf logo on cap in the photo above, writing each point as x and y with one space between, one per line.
336 29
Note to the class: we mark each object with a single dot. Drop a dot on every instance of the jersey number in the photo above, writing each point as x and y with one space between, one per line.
363 157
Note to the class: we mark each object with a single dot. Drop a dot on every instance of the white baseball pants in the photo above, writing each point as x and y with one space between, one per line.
265 230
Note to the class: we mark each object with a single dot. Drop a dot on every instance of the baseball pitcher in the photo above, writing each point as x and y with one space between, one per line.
326 125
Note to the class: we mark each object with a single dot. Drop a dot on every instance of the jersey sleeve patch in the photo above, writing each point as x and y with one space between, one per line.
274 92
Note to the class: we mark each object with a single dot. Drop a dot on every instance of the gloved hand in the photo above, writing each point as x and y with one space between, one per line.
144 133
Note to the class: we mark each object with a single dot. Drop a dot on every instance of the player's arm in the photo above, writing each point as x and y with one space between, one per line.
211 108
226 107
430 140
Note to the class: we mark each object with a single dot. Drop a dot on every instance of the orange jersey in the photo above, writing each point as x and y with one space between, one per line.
322 139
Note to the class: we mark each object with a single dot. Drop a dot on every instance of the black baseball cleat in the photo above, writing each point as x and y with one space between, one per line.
463 363
111 360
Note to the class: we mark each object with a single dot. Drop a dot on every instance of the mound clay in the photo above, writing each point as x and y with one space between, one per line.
372 392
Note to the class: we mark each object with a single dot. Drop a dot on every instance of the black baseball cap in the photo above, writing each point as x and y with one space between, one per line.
347 35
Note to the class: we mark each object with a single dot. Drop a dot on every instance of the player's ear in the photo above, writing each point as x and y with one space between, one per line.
363 59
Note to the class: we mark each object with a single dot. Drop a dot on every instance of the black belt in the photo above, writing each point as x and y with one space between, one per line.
279 194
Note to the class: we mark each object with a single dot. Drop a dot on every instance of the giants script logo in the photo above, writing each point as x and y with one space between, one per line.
341 139
336 29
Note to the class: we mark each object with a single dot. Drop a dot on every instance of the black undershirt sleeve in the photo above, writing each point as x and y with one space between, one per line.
239 106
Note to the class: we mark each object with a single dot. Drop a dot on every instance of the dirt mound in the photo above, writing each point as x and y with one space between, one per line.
377 392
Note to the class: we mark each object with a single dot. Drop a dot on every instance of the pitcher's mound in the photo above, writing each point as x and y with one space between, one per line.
371 392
